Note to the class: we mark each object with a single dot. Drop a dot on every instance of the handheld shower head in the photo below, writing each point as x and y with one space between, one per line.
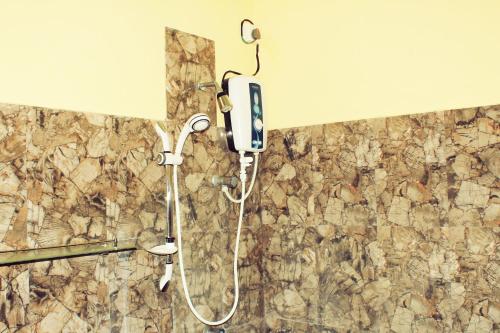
198 122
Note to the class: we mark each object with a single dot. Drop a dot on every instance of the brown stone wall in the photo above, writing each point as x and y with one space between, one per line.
210 220
384 225
74 178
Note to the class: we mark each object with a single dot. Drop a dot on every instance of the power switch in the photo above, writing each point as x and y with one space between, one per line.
258 125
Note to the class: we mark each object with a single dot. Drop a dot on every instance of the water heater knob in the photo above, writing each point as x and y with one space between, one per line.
258 124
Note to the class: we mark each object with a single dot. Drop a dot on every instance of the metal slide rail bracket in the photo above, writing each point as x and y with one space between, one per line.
66 251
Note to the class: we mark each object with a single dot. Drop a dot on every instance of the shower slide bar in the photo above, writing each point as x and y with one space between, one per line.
65 251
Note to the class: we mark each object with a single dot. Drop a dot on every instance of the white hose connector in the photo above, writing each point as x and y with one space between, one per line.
244 163
225 189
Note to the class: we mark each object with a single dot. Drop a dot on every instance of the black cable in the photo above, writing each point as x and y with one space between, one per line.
258 60
229 72
241 28
256 56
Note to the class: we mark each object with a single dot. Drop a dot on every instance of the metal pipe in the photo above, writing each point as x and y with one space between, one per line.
223 100
170 211
65 251
170 203
231 182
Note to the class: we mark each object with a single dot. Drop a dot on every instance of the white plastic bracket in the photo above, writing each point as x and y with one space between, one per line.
167 158
163 250
246 161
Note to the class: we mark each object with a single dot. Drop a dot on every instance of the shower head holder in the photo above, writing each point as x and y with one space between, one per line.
168 158
163 250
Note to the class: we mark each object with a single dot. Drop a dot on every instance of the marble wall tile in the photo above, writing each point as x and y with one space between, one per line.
136 302
324 246
287 195
14 280
189 60
87 183
209 220
285 177
66 152
135 197
69 295
288 326
399 229
135 209
67 188
472 166
13 208
117 193
14 297
344 163
411 181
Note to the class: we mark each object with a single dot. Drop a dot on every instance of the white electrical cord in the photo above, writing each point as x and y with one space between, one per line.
225 189
244 163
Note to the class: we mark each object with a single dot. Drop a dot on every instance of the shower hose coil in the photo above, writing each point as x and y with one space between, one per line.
244 162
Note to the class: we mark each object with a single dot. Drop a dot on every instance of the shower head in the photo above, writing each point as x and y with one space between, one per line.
197 123
223 100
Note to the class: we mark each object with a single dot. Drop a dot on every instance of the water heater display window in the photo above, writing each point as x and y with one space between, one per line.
256 114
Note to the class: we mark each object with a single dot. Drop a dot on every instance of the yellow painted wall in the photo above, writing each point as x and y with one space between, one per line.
322 60
106 56
336 60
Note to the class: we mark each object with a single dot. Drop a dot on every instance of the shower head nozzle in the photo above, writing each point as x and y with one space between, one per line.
224 102
199 122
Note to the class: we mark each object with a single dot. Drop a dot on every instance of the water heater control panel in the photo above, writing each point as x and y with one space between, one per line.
245 121
257 112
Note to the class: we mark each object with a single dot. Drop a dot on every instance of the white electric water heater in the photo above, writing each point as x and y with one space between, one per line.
245 126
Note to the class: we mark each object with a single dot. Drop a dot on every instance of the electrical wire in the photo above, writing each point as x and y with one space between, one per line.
229 72
257 58
241 29
256 55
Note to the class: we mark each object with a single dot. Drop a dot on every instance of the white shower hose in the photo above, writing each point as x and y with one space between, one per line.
235 264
